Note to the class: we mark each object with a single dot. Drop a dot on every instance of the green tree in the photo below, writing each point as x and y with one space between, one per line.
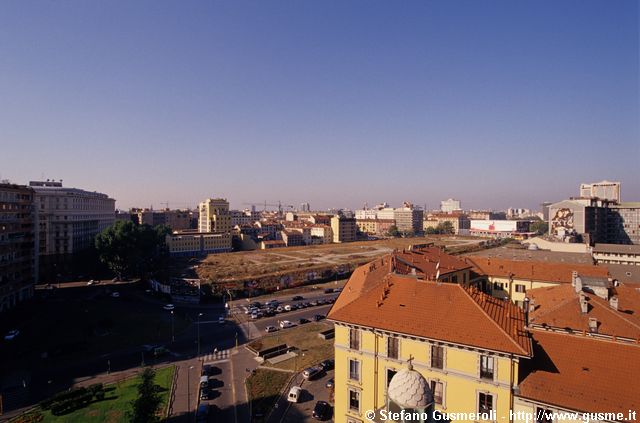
431 231
445 228
146 406
393 231
540 227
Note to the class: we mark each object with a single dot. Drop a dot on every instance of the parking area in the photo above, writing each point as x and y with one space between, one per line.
218 395
312 392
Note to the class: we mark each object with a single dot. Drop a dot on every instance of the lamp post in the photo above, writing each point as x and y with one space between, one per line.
189 393
173 338
199 315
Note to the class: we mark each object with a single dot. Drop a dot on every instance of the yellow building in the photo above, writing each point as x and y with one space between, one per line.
512 279
191 243
466 344
214 215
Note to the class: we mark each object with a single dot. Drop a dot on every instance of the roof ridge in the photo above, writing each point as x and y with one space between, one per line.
492 319
560 304
608 309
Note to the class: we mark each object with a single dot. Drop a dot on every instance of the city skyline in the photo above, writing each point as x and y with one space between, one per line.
497 104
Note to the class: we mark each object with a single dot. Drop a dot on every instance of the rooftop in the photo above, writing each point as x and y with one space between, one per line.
582 373
616 248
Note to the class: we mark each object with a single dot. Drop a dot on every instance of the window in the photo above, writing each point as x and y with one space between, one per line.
390 374
437 357
520 288
393 346
454 278
354 400
486 367
485 402
543 415
438 389
354 339
354 370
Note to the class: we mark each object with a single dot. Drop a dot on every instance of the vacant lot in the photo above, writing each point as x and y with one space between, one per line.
264 388
311 348
247 264
117 402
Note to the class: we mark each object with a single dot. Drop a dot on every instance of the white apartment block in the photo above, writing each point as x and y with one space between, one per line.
69 218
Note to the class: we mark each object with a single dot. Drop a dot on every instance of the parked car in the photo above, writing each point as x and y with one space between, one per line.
115 294
91 282
318 317
312 372
330 383
328 291
206 370
288 307
221 320
322 411
298 298
286 324
294 394
203 413
270 329
204 394
327 364
169 307
303 321
204 382
280 309
11 334
313 303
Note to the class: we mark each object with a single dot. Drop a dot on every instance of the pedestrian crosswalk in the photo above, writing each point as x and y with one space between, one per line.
217 355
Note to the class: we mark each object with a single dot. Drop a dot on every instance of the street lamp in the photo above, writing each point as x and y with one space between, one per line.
189 393
199 314
173 338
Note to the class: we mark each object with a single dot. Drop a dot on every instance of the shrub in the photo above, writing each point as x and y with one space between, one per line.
100 395
95 388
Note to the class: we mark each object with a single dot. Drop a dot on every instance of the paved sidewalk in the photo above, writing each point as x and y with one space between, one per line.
186 391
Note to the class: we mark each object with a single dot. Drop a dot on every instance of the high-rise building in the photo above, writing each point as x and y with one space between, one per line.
450 205
408 219
604 190
69 218
18 258
214 215
344 228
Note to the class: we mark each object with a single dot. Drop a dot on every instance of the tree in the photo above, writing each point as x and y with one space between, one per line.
146 406
446 228
431 231
393 231
540 227
130 249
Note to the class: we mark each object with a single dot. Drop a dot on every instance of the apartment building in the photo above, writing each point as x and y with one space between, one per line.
174 219
214 216
192 243
378 227
18 256
406 342
321 234
344 228
459 221
292 238
616 254
69 218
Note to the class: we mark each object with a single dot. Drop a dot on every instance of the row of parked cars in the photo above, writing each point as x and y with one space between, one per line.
322 409
257 310
208 391
284 324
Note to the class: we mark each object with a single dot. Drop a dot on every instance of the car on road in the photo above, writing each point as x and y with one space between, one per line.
322 411
330 383
11 334
312 372
115 294
91 282
318 317
280 309
221 320
270 329
298 298
303 321
327 364
313 303
169 307
286 324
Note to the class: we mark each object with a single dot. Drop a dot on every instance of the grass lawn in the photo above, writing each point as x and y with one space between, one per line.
116 403
264 387
312 348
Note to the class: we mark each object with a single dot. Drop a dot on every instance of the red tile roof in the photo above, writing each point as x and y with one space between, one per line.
429 260
377 298
559 307
582 373
533 270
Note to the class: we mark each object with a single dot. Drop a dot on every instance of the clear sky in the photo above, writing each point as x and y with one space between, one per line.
496 103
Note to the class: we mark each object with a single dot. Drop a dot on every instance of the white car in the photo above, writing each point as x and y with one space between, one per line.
286 324
270 329
169 307
91 282
287 307
11 334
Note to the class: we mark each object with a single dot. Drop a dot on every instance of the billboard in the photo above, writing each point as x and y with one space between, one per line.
495 225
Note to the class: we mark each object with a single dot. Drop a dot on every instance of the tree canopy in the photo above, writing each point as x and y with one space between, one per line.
145 407
129 249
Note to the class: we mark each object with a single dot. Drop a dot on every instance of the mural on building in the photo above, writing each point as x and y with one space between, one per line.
562 224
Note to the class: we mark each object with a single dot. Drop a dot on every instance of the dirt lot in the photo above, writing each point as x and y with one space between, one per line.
249 264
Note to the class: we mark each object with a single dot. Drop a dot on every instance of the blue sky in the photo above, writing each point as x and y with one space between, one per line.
336 103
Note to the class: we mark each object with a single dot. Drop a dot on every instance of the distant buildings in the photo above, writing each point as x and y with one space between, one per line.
377 227
518 229
616 254
174 219
18 255
450 205
459 222
407 218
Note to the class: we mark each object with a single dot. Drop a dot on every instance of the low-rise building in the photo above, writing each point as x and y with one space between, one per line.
292 238
321 234
617 254
459 221
267 245
194 244
378 227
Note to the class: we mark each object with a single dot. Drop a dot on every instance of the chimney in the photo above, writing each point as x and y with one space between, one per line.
578 284
574 275
584 306
613 302
526 310
593 325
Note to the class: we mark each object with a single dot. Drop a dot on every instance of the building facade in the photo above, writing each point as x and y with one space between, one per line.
616 254
18 256
450 205
69 218
604 190
214 216
193 243
344 229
